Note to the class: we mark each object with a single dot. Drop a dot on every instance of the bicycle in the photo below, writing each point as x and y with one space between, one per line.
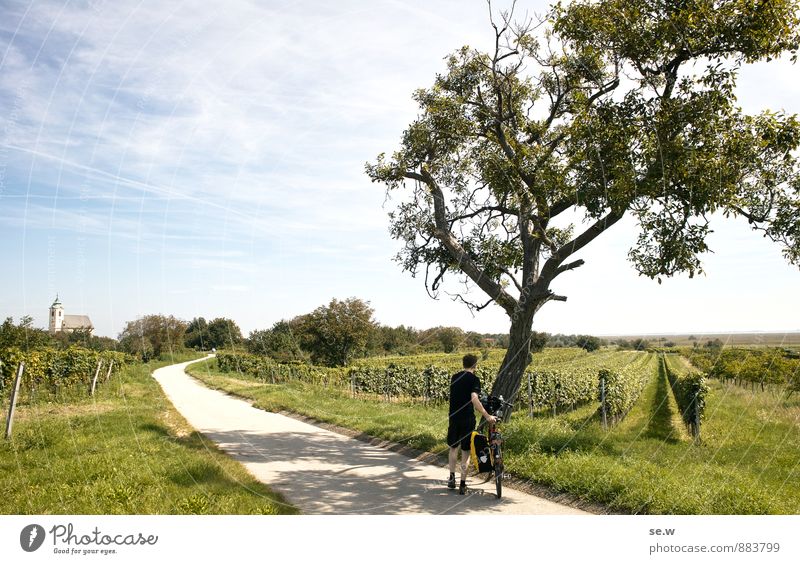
495 406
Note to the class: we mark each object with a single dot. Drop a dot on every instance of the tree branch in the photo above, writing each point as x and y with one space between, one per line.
551 268
501 209
560 207
507 272
569 266
454 248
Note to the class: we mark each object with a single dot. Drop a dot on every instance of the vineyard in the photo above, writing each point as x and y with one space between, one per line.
267 370
124 450
557 380
490 361
620 387
643 460
753 367
607 426
690 389
54 371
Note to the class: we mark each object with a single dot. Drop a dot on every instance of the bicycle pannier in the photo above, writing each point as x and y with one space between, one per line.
481 453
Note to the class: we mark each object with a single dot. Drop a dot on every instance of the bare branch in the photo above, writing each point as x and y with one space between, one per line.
513 278
472 306
454 248
570 266
483 209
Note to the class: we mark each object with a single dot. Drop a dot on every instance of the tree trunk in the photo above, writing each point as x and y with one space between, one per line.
517 358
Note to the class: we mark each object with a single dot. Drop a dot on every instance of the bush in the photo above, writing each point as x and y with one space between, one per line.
588 343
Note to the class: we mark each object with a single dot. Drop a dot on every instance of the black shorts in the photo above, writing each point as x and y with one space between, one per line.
460 433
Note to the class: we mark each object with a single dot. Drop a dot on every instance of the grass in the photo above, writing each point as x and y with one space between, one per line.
748 460
125 451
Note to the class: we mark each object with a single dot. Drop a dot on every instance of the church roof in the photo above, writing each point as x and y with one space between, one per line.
77 322
55 303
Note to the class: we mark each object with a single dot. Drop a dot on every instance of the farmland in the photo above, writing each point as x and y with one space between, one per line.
694 430
739 339
124 450
645 461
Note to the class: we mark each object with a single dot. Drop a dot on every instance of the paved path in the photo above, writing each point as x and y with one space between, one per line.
322 472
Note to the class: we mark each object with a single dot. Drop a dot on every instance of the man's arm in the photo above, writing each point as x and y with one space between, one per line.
476 401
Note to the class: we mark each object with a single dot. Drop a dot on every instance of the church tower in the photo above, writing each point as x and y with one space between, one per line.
56 316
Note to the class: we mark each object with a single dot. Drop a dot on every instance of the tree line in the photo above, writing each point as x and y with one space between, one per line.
332 335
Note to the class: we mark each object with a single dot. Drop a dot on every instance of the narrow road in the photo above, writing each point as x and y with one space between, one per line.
322 472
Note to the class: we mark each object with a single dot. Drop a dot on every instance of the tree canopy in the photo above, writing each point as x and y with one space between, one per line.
23 334
336 333
151 336
217 333
279 343
522 156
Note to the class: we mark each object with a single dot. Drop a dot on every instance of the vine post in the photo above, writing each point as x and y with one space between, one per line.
94 380
603 408
108 372
14 392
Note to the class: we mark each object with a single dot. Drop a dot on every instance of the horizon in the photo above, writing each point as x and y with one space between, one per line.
163 158
245 334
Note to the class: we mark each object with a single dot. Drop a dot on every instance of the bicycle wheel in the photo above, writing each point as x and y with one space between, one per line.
498 473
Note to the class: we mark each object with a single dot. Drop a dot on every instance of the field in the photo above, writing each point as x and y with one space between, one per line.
747 460
124 451
786 339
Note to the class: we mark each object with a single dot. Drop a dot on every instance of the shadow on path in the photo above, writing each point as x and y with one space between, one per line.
326 473
322 472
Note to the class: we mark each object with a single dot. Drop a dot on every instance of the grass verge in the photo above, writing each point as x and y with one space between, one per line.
125 451
746 463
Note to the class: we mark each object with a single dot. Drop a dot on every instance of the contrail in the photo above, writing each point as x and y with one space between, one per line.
130 182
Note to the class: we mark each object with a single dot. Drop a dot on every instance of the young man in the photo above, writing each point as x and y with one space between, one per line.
464 399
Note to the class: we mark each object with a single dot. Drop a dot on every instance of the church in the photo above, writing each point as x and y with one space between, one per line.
70 323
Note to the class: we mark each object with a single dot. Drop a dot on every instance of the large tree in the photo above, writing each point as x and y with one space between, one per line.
217 333
23 335
197 336
336 333
151 336
522 156
279 343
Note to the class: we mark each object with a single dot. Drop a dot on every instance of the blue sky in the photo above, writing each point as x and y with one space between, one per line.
189 159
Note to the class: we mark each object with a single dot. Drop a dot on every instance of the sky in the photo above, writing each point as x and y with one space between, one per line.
200 159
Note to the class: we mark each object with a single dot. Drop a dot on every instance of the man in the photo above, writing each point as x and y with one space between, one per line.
464 399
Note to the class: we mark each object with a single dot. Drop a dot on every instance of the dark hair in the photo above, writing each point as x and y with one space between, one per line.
470 361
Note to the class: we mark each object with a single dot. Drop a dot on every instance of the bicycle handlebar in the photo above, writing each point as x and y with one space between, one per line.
493 404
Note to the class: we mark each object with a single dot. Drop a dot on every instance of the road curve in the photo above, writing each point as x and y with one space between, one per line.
322 472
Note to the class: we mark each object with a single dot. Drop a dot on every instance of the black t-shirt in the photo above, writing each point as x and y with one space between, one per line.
461 387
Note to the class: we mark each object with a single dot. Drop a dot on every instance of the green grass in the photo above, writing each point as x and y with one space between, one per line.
748 460
126 451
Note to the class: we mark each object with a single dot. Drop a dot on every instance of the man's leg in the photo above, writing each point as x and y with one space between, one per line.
464 460
465 453
452 456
